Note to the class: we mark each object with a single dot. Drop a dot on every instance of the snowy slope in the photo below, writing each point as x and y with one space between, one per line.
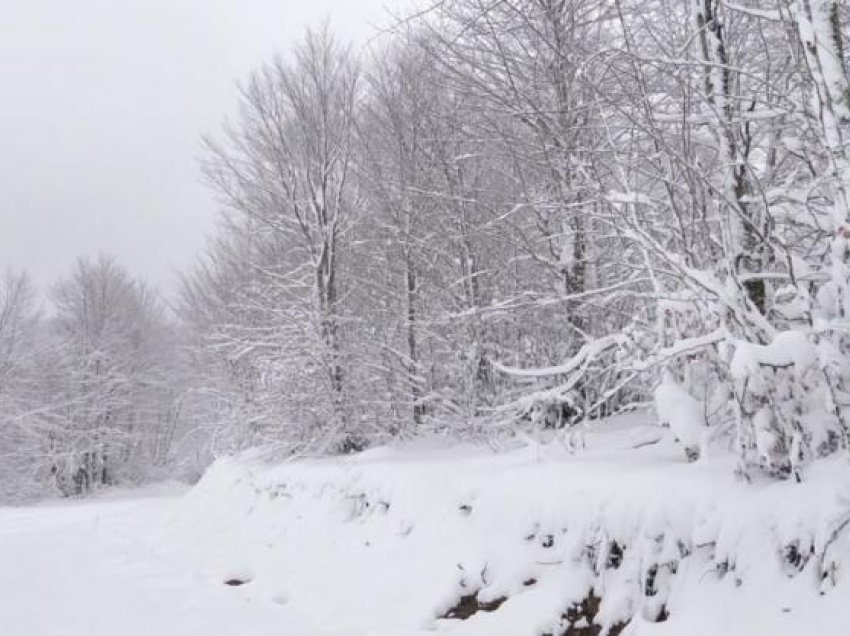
388 542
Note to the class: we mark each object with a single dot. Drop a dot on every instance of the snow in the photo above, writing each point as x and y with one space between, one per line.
98 569
682 412
384 543
788 349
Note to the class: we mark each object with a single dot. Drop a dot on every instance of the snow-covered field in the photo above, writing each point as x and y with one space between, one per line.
100 568
388 543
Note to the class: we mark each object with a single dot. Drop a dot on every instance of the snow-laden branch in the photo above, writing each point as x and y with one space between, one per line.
587 353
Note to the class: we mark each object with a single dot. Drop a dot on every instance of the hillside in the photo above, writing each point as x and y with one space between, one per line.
623 536
526 542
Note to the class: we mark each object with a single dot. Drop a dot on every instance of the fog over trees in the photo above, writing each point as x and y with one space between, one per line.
505 217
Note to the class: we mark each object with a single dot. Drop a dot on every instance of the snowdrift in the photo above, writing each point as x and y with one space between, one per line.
625 537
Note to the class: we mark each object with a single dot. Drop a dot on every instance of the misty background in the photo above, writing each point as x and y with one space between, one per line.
103 105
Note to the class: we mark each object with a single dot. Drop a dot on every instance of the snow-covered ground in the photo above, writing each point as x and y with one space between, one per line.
100 568
389 542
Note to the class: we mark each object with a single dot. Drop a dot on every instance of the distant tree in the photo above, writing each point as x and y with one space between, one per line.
19 440
109 378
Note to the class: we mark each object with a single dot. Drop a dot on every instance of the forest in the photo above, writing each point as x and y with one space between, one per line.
501 218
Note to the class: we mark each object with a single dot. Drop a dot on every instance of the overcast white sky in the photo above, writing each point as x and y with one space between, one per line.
102 104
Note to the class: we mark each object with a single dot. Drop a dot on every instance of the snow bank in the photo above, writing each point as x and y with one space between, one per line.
390 542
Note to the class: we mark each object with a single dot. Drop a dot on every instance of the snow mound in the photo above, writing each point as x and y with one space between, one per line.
683 413
788 349
626 538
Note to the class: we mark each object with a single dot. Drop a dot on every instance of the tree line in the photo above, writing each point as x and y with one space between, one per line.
88 389
528 214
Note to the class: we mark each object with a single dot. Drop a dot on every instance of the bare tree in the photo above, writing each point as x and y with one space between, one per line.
285 171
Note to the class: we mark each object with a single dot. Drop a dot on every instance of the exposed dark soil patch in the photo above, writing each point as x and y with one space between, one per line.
579 619
469 605
236 582
615 556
